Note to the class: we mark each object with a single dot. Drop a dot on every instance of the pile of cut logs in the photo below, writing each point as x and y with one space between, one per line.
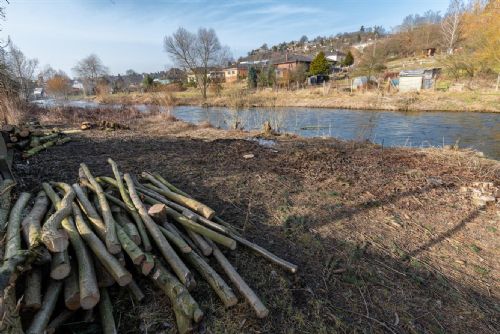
31 138
101 231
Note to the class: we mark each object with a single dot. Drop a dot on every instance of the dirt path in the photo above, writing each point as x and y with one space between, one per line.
386 240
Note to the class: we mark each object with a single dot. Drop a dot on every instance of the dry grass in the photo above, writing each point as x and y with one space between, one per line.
12 110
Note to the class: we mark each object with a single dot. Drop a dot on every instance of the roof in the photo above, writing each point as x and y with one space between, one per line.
292 59
416 73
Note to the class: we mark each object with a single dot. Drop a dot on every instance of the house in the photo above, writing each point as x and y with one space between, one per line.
161 81
415 80
235 73
290 62
214 75
39 93
335 56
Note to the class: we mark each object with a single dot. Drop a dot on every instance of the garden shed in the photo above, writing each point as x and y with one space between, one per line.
415 80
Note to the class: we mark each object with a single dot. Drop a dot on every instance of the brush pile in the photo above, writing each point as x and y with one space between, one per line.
32 138
78 240
104 125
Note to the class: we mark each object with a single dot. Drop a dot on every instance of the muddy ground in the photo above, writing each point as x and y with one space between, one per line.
387 240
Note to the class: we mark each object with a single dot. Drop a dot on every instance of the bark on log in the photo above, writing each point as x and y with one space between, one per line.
241 285
135 291
133 251
42 317
204 247
59 320
188 202
60 266
176 240
72 290
31 152
104 278
13 235
106 313
33 289
185 276
119 273
186 309
90 211
31 226
89 292
5 202
148 264
112 242
53 235
129 227
220 287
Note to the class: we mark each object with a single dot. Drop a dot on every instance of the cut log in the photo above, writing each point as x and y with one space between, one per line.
33 151
119 273
43 316
176 240
129 227
112 242
260 309
133 251
60 266
31 226
59 321
89 291
135 291
188 202
106 313
148 264
13 235
90 211
33 289
186 309
220 287
185 276
72 290
104 278
53 235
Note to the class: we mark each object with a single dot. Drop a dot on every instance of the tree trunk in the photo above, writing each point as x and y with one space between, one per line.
31 226
42 317
185 307
119 273
130 205
72 290
33 289
112 242
167 251
242 286
106 313
13 237
60 265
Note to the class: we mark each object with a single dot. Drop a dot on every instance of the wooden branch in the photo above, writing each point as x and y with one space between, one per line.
13 235
33 289
129 227
135 291
31 226
132 250
185 276
106 313
112 242
188 202
170 185
241 285
42 317
72 290
53 236
220 287
90 211
148 264
186 309
119 273
104 278
204 247
176 240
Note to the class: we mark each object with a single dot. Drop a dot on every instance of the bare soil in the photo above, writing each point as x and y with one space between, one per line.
387 240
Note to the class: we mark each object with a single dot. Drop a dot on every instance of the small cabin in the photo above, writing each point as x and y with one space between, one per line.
416 80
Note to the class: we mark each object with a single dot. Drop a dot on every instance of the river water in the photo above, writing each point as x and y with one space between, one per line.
479 131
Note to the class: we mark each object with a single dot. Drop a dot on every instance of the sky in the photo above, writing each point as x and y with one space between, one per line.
129 34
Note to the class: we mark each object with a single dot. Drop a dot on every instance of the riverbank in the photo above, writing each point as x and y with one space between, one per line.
387 240
319 97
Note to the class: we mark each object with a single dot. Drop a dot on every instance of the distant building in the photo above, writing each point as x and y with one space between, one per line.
162 81
335 56
235 73
39 93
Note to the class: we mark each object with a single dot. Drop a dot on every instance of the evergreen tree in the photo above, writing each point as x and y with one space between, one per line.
349 59
319 65
252 77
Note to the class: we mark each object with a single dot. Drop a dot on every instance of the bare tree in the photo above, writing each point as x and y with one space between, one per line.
451 25
89 70
196 53
21 69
